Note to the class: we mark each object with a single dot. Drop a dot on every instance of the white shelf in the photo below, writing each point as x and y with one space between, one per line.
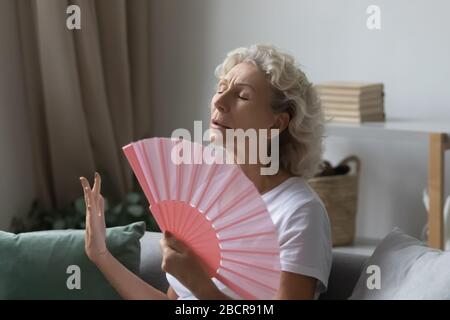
412 130
436 134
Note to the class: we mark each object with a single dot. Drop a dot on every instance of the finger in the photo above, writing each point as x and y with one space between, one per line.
164 246
85 183
88 208
101 205
90 202
88 219
97 183
87 192
88 199
162 243
175 244
85 187
167 250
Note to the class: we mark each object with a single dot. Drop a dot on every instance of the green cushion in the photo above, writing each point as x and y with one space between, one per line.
34 265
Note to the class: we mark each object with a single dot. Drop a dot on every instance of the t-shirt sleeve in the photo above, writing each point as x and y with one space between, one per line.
305 243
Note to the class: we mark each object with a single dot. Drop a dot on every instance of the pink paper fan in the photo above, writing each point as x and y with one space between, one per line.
214 209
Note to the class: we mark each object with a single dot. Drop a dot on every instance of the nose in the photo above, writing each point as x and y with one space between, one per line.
221 103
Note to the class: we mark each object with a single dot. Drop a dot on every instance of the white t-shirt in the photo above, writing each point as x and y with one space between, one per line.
304 235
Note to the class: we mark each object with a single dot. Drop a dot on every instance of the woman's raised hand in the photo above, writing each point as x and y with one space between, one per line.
95 236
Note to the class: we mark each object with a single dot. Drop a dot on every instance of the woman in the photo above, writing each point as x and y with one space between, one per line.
259 88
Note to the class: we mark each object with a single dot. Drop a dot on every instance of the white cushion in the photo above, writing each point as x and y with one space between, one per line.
408 269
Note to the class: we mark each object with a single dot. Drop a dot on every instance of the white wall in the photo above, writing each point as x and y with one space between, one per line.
410 54
16 180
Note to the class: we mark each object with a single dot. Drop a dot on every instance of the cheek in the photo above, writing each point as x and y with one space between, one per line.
253 117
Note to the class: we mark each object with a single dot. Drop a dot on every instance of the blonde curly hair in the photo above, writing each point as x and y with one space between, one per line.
301 145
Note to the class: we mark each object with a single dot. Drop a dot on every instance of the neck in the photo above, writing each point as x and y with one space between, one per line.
264 183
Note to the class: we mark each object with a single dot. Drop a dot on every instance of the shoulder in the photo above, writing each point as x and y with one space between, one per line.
299 215
295 199
304 231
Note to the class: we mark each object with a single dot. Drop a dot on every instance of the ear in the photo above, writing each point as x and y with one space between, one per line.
281 122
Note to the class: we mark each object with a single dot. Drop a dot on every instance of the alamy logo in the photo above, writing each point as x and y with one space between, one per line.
239 146
374 280
73 21
374 18
74 280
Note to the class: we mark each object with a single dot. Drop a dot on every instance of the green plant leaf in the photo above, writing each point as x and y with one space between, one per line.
117 209
135 211
133 207
133 198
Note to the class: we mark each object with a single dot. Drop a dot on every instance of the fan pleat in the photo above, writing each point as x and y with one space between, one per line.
254 287
235 222
197 225
232 205
248 278
172 217
268 233
159 217
255 224
252 265
133 159
266 253
179 180
262 276
165 169
183 224
202 192
231 199
191 220
199 237
253 258
192 182
264 242
234 175
166 215
150 174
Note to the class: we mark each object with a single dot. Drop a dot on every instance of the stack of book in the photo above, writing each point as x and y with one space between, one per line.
353 102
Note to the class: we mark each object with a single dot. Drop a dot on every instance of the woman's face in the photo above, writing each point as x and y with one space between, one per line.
242 100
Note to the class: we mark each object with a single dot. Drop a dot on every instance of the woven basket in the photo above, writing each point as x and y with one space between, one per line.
340 196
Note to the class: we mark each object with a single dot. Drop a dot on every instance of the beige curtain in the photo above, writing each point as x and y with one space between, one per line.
87 92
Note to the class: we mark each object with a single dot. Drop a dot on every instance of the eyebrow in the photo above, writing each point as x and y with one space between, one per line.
242 84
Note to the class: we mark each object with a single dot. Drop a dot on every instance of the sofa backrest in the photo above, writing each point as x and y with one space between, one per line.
344 275
345 270
151 261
